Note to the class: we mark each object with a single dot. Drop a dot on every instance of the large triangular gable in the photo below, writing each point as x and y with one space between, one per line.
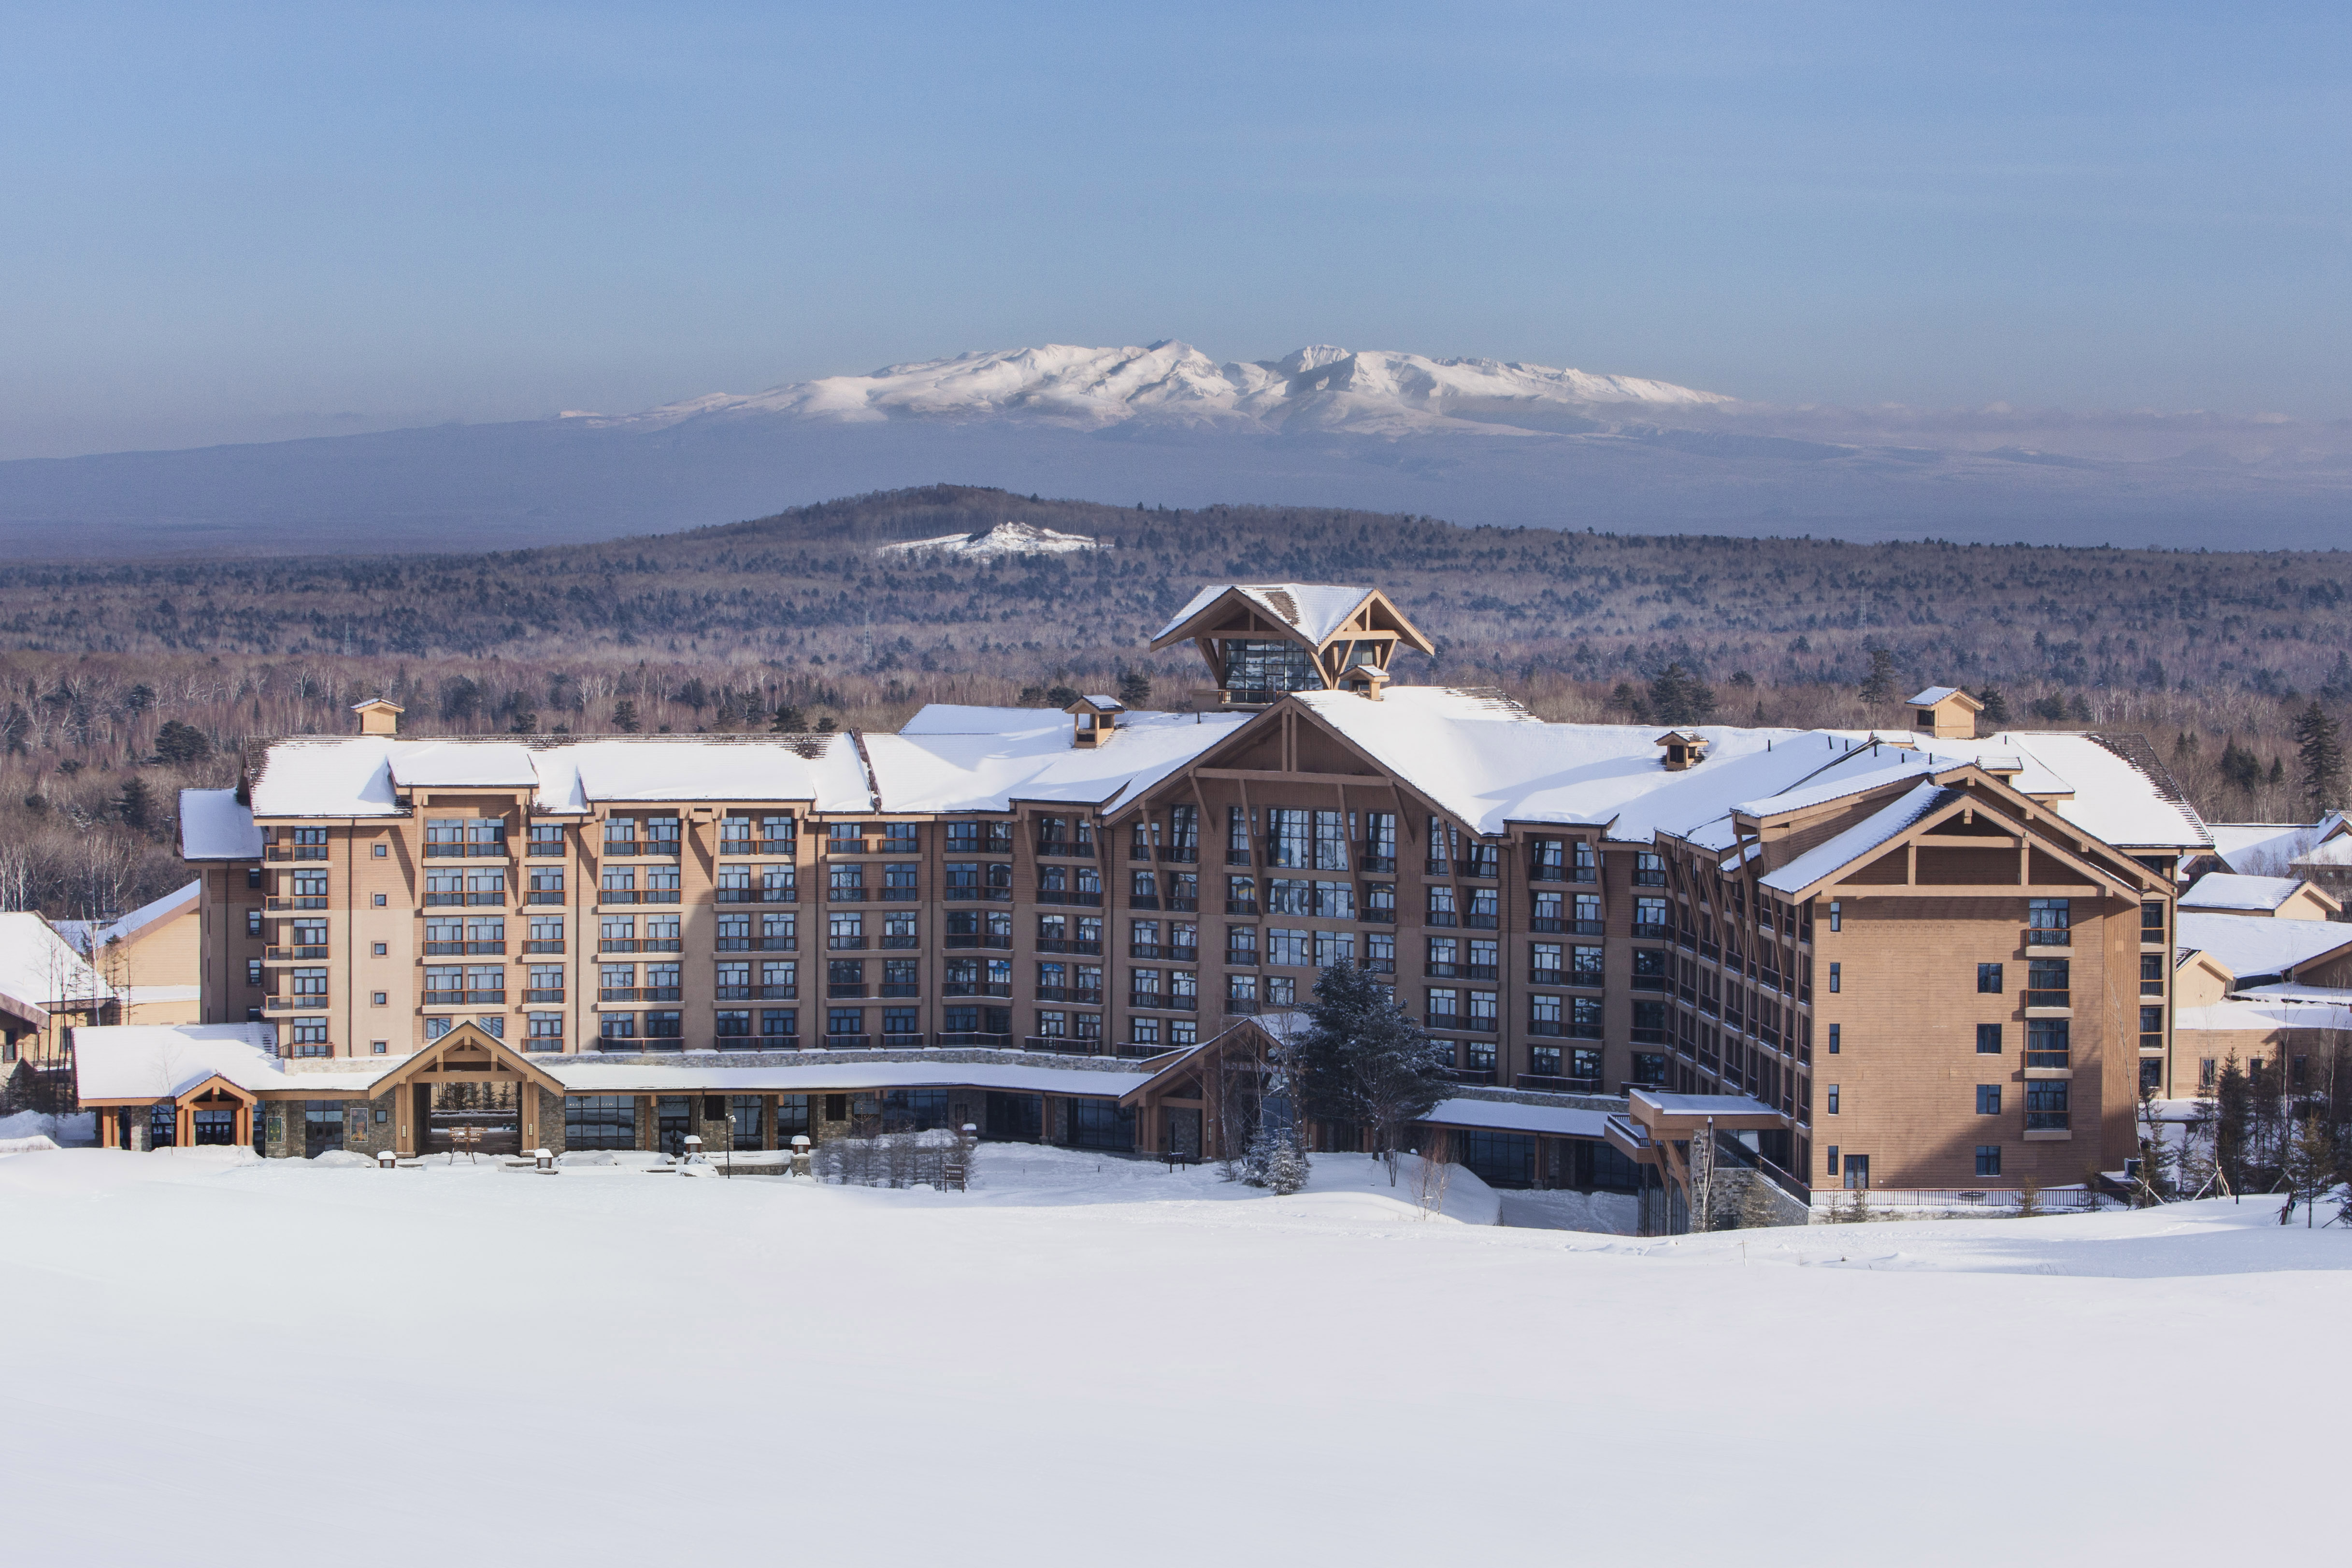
466 1050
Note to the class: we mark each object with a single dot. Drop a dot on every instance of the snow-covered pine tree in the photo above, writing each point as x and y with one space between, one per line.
1363 1059
1287 1166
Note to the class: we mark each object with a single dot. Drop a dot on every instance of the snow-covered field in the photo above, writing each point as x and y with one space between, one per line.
1087 1359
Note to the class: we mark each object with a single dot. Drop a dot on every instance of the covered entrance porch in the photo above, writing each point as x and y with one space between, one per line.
468 1092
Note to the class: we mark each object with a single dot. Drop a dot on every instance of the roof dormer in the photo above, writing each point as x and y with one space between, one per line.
378 716
1095 718
1684 749
1945 713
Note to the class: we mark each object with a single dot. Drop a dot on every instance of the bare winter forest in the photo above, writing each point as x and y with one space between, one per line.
123 683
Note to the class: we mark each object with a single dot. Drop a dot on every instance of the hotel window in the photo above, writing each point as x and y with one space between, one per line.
1988 1159
1835 1039
614 1026
1832 1103
253 972
1292 948
732 1023
1837 977
2046 1105
1987 979
2151 920
780 1023
1988 1099
1183 1032
1144 1031
1281 991
1379 841
1441 906
1831 1155
2048 1042
1333 947
1988 1040
2047 922
1650 919
2151 1028
1857 1171
1236 836
1837 915
844 933
600 1121
2151 974
1588 914
1481 1013
1585 968
1650 1069
310 1037
543 1031
1444 1008
1053 1026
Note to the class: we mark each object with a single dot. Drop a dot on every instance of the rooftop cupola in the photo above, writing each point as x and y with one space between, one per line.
1945 713
1684 749
1095 718
1262 639
378 716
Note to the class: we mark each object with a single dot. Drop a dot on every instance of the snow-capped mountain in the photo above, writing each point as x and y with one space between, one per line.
991 543
1358 390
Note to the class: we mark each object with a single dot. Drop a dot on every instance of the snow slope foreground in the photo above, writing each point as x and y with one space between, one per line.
1087 1357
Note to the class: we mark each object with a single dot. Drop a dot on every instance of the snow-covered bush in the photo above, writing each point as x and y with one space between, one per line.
892 1160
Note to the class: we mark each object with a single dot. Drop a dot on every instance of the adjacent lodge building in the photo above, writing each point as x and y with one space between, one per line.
1798 961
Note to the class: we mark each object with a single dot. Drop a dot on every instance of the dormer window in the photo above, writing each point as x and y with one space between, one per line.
1093 718
1682 749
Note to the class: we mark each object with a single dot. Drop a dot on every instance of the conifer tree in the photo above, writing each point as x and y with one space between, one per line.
2319 747
1996 706
790 721
2310 1165
2232 1111
1678 697
1134 688
624 717
1878 686
1363 1059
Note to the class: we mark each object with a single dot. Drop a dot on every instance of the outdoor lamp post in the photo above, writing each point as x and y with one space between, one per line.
800 1153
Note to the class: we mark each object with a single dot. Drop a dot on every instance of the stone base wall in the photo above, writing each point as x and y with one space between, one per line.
363 1134
281 1137
551 1121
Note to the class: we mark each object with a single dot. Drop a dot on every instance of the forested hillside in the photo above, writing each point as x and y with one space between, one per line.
2211 656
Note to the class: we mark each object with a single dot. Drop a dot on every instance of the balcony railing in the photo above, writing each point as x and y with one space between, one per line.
544 945
1089 996
1063 1045
976 1038
544 896
762 896
1551 1083
285 954
1472 1075
848 1042
2045 1060
2048 1121
1070 945
976 988
298 852
844 993
542 996
898 988
464 999
2048 998
783 847
461 851
641 848
466 949
295 1003
2047 936
307 902
642 944
1154 1001
1181 854
1069 896
618 896
758 1042
990 940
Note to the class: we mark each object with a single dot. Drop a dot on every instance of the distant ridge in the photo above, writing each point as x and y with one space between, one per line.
1475 441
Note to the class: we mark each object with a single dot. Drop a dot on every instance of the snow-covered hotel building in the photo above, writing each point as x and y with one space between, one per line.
1920 961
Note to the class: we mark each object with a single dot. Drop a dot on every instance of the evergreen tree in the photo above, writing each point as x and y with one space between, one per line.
1363 1059
1134 688
2232 1113
1287 1165
1627 699
790 721
1996 706
625 716
136 805
1678 697
2310 1165
2239 765
1061 696
525 722
180 745
2337 688
1878 686
2319 747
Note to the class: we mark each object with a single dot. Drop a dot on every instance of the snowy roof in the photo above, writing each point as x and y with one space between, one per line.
38 965
2238 1016
2250 947
216 826
1316 609
97 933
1936 694
361 775
584 1076
2266 847
1836 854
2224 890
2335 854
159 1061
2335 995
1512 1116
950 759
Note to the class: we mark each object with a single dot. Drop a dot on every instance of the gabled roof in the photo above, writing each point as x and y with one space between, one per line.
97 933
1936 694
164 1061
1315 610
40 966
2226 891
217 825
1880 828
2250 947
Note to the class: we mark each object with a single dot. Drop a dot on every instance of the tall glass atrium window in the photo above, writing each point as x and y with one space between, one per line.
1270 666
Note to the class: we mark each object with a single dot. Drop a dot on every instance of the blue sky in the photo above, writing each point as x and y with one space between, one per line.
233 223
